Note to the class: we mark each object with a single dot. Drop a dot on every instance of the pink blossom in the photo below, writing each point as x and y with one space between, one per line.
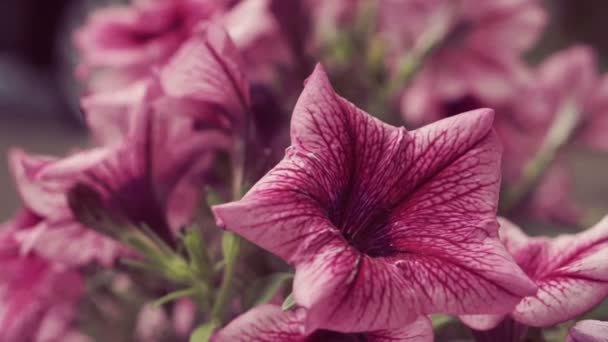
149 178
569 270
268 323
382 224
477 60
37 298
204 80
588 331
48 227
127 42
133 38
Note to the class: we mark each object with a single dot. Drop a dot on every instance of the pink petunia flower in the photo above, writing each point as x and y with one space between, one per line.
204 80
383 225
569 271
476 62
588 331
269 323
125 43
131 39
47 226
38 298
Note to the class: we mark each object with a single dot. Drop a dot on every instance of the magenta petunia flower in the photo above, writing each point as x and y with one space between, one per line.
382 224
204 80
149 179
146 33
125 43
569 270
269 323
38 298
476 63
588 331
47 226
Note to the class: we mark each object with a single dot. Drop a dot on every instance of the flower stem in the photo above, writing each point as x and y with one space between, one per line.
558 135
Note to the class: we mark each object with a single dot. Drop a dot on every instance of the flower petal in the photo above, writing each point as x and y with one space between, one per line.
207 68
588 331
569 271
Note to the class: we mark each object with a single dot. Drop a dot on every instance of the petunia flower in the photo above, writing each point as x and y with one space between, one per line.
588 331
383 225
146 179
131 39
47 226
38 298
204 80
120 45
269 323
569 271
476 57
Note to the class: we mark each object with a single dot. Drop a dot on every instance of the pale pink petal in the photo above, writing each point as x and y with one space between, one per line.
268 323
569 270
588 331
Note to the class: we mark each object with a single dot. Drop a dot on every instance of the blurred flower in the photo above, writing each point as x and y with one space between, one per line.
364 211
569 270
131 39
126 43
564 104
37 297
475 58
47 226
208 69
152 324
588 331
135 181
269 323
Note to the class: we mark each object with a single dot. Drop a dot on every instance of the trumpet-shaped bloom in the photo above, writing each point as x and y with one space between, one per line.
588 331
47 226
37 298
477 59
569 270
382 224
141 179
269 323
204 80
141 35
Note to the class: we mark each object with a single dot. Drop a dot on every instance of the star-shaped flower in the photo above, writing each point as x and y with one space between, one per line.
383 224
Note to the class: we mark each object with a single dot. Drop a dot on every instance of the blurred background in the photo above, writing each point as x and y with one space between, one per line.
39 109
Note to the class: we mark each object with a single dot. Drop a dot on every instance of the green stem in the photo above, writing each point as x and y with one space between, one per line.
558 135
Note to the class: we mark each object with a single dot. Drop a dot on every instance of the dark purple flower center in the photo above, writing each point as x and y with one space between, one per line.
327 336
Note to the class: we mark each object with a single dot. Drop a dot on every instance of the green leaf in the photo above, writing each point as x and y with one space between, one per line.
203 332
276 282
289 303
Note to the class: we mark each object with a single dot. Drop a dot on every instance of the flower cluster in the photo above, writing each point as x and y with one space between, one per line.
203 205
